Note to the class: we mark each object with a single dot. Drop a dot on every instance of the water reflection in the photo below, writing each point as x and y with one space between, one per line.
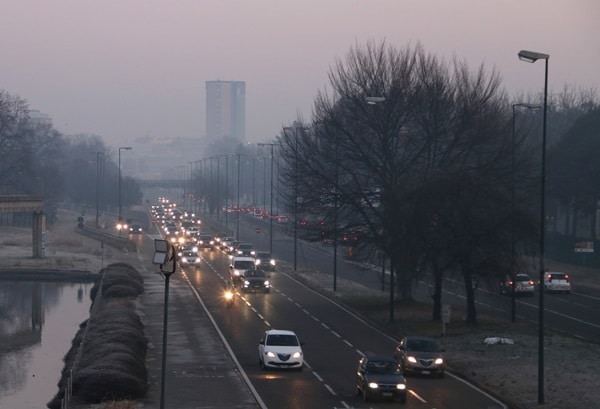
38 320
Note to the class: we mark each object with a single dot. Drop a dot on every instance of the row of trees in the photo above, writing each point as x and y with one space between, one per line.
38 160
432 171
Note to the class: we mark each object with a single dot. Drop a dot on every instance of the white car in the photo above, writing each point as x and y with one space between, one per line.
189 258
280 349
556 282
238 268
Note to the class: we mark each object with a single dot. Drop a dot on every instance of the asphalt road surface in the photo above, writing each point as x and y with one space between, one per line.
334 340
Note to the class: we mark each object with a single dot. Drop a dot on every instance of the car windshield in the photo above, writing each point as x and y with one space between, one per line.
422 345
263 255
243 264
245 246
282 340
522 277
383 367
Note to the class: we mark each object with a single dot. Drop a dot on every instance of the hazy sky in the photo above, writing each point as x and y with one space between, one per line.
128 68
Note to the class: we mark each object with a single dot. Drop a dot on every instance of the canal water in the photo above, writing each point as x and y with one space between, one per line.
38 320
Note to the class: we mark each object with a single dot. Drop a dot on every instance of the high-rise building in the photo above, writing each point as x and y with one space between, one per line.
226 110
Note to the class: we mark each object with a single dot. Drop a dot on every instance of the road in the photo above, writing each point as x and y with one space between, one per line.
574 313
334 339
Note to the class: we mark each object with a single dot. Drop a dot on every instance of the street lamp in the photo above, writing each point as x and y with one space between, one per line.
271 212
98 186
237 229
295 129
120 225
531 57
513 255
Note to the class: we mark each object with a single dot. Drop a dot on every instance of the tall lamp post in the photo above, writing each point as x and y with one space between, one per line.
513 204
531 57
120 221
295 130
98 154
271 211
237 223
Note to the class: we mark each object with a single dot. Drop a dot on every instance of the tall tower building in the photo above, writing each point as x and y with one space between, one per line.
226 110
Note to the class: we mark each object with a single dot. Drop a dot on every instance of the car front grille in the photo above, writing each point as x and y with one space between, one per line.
283 357
426 362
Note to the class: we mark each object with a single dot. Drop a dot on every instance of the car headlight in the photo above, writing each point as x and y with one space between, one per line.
246 283
236 273
373 385
252 252
438 361
296 355
270 354
266 283
272 262
412 359
184 260
401 386
198 260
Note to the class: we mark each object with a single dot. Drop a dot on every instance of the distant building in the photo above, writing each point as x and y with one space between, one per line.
38 118
226 111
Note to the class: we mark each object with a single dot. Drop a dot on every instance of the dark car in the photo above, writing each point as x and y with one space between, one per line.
206 241
245 249
135 229
256 280
420 355
380 377
265 261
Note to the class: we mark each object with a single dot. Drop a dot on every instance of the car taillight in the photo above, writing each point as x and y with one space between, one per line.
531 282
567 278
550 278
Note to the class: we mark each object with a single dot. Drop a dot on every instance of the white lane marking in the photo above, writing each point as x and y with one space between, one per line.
348 343
324 325
330 389
360 352
416 395
317 376
336 334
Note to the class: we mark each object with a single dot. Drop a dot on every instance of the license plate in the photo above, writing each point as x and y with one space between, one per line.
387 394
425 372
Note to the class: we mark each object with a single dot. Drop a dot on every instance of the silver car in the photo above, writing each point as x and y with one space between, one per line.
420 355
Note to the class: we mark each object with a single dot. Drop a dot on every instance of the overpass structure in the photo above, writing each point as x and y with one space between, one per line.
20 203
21 210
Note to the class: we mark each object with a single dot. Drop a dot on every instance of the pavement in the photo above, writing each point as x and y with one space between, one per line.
200 371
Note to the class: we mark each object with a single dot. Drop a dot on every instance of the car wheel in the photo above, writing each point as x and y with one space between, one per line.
262 365
365 394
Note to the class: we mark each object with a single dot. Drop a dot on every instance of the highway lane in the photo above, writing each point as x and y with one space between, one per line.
573 313
334 341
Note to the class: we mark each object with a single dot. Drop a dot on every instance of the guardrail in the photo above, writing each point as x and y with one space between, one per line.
114 240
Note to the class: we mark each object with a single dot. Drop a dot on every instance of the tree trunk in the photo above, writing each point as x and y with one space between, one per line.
437 295
470 292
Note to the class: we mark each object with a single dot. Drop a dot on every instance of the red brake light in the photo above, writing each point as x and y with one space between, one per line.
567 277
550 277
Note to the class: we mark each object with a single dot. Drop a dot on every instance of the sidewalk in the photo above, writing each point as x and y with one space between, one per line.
200 372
